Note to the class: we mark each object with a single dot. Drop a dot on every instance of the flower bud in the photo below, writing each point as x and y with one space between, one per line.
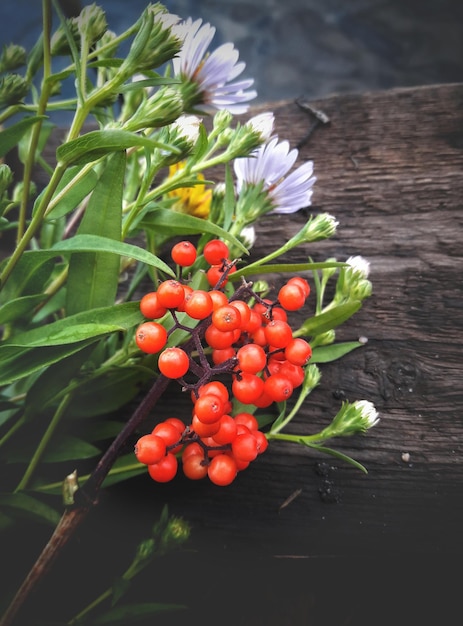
311 378
355 417
321 226
12 57
160 109
91 23
13 89
6 178
262 124
154 43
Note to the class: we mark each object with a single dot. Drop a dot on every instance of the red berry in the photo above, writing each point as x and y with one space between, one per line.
173 362
216 251
278 387
194 466
150 449
198 304
252 358
300 282
202 429
226 317
291 297
278 333
183 253
222 470
244 447
247 387
170 293
151 337
165 469
150 307
298 351
247 419
227 430
209 408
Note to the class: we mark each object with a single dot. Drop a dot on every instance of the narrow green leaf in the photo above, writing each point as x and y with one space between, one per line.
277 268
25 505
130 613
18 362
98 143
29 276
54 380
93 276
96 243
326 354
182 224
338 455
74 194
124 468
107 393
62 338
63 448
329 319
20 307
10 136
78 327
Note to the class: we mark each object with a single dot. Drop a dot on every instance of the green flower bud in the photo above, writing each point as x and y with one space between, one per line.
6 178
154 43
324 339
321 226
311 378
164 107
261 287
176 533
13 89
355 417
91 23
12 57
59 44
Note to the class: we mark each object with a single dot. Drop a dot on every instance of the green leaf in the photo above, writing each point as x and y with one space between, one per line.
20 307
73 195
93 276
62 448
54 381
62 338
25 505
182 224
98 143
336 454
29 276
130 613
76 328
18 362
326 354
104 244
329 319
10 137
109 392
277 268
124 468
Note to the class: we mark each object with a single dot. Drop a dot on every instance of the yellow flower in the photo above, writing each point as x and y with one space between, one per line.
195 200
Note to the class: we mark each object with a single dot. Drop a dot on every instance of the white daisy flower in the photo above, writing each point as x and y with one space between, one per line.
211 73
270 164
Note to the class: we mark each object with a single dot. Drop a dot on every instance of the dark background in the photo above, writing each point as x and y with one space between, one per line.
304 47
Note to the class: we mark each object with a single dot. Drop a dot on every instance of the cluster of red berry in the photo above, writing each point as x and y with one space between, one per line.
248 337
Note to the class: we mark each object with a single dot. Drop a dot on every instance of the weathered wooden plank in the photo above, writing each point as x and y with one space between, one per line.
389 168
